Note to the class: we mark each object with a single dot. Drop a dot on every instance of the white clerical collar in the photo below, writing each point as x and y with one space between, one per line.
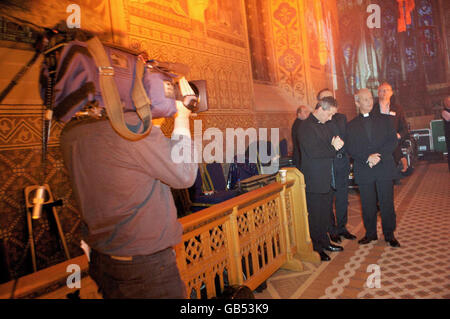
365 115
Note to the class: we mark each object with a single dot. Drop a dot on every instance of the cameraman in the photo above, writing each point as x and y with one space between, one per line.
123 190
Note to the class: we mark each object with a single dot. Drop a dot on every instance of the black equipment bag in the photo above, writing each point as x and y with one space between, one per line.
257 181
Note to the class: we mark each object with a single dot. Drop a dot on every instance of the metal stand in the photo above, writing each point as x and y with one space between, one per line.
48 203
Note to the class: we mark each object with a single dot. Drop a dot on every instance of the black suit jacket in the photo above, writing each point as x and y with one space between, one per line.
384 141
297 155
447 129
401 126
317 155
338 127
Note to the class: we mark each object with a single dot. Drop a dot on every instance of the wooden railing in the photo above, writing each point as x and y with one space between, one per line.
240 241
246 239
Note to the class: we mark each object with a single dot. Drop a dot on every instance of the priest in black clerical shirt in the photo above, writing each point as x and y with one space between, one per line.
341 167
371 139
318 149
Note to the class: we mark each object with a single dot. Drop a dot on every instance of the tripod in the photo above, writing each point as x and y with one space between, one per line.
48 203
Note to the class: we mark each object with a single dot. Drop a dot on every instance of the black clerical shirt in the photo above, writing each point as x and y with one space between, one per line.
367 123
317 155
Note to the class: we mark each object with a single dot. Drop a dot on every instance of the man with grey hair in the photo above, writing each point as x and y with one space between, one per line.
371 140
318 150
341 168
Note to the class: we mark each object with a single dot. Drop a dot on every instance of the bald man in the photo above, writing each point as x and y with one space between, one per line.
386 105
371 140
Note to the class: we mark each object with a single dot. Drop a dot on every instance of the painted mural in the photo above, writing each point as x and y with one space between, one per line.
289 48
405 51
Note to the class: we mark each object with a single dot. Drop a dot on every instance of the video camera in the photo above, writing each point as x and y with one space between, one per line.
76 77
196 102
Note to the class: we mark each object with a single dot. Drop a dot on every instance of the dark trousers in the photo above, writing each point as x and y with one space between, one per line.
385 192
145 277
338 223
319 218
398 154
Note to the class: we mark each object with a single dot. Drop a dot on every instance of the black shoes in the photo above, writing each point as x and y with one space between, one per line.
324 257
335 238
393 242
347 235
365 240
332 247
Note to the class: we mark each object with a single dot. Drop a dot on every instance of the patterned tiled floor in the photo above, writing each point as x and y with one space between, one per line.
420 268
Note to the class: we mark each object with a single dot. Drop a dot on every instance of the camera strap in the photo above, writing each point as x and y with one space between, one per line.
139 95
111 97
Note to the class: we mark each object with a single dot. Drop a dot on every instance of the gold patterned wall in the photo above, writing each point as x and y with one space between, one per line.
211 36
215 49
21 166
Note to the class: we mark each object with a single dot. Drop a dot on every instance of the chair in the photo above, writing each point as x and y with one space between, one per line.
215 175
239 172
182 201
285 159
242 171
210 187
283 146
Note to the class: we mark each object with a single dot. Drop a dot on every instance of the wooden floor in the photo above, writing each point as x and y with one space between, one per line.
420 268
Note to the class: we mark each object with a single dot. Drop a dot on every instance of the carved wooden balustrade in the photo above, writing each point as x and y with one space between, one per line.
241 241
246 239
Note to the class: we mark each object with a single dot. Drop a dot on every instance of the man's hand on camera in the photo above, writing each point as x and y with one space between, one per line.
181 123
183 112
